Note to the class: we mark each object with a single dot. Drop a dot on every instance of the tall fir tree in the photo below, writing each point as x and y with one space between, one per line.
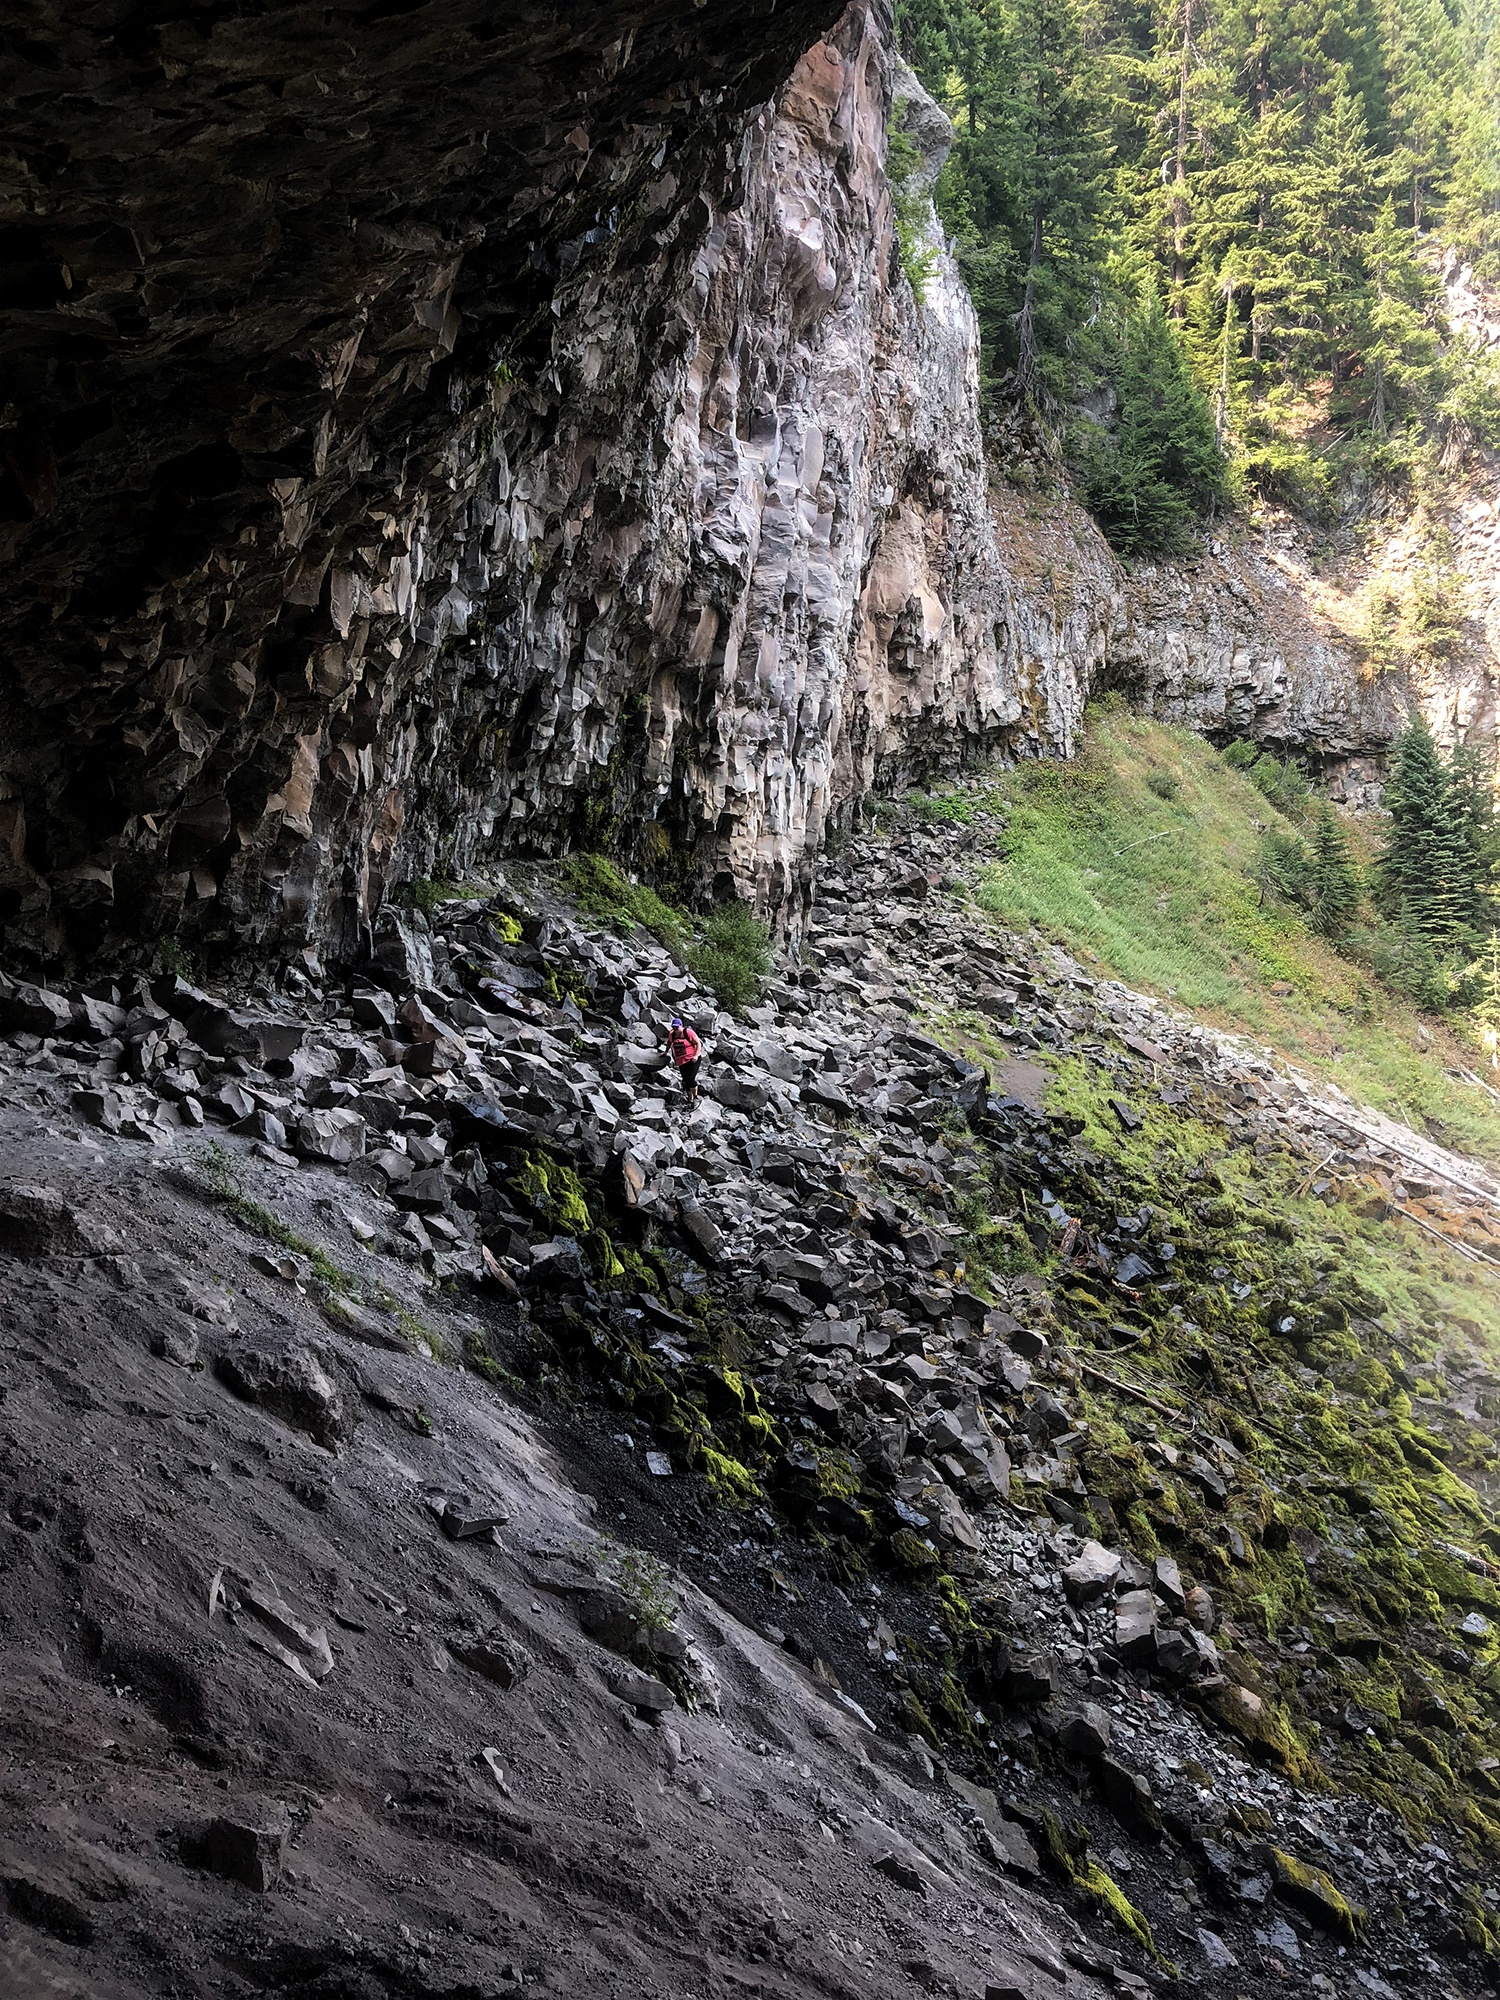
1027 187
1333 879
1330 191
1423 72
1474 803
1396 339
1485 1012
1155 469
1425 874
1056 147
1471 210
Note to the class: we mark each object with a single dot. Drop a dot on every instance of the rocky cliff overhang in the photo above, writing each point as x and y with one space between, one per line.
269 274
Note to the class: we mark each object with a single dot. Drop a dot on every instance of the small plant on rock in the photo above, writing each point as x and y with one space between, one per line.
640 1577
223 1179
735 955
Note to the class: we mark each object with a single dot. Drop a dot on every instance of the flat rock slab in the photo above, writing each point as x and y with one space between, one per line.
641 1690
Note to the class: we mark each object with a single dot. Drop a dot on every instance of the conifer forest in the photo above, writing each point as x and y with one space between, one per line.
1207 239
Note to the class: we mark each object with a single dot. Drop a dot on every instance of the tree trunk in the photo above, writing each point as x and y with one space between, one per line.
1179 178
1262 111
1221 401
1262 90
1028 376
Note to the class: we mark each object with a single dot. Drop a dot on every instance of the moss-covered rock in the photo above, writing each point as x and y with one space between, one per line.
731 1483
1104 1891
909 1552
1314 1893
1260 1723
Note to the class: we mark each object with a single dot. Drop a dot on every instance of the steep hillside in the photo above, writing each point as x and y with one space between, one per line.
1143 857
995 1495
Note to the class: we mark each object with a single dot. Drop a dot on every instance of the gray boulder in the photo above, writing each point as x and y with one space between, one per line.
287 1379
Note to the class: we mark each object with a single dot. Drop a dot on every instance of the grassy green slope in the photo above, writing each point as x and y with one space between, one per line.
1159 891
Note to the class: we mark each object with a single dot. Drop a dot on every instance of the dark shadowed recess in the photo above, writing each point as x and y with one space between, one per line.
255 258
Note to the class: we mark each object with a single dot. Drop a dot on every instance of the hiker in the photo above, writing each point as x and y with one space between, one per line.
686 1051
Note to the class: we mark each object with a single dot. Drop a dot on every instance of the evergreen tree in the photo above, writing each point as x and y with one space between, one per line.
1423 72
1397 343
1485 1013
1050 166
1155 468
1426 873
1474 805
1319 287
1471 213
1333 878
1404 960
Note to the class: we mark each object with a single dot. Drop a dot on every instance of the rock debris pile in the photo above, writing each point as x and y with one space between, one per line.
879 1344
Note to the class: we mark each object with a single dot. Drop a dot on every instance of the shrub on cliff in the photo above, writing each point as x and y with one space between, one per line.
910 204
735 955
1282 780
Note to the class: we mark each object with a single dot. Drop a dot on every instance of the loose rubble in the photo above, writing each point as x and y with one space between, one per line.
809 1315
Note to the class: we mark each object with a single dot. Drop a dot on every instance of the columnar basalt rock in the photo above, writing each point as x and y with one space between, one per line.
1229 646
1252 641
274 287
435 438
773 575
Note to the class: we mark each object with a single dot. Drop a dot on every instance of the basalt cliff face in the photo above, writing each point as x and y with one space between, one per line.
430 435
435 433
1261 640
280 314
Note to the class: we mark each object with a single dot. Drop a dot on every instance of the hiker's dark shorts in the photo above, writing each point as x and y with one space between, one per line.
688 1071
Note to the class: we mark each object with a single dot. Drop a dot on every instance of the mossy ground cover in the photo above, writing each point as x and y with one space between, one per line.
728 948
1308 1352
1141 857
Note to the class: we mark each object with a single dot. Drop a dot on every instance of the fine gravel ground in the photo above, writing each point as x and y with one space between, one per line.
243 1752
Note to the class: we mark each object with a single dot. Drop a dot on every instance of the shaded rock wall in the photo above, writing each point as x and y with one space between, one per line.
713 583
445 433
273 284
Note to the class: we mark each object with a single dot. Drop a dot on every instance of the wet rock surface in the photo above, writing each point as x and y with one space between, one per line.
476 1582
